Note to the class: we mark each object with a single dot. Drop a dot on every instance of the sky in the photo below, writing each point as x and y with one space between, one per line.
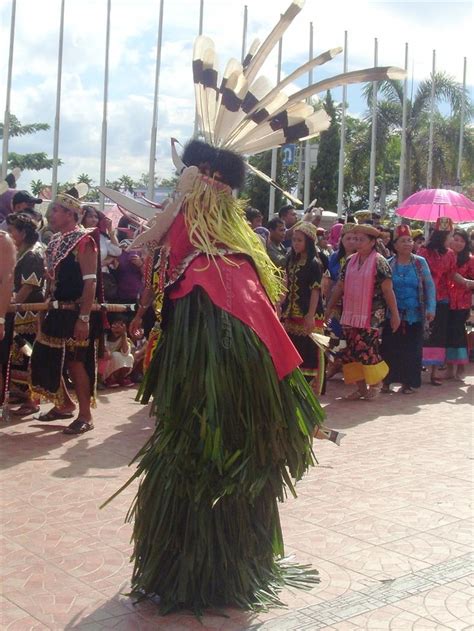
444 26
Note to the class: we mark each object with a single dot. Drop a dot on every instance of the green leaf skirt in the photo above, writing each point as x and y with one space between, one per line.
230 440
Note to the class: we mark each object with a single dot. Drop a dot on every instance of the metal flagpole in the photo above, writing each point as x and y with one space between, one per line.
201 23
273 170
340 179
154 124
373 147
401 177
6 120
307 147
57 118
461 124
244 34
300 169
429 175
103 151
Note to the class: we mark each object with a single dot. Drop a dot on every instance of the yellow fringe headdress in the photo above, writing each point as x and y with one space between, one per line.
216 220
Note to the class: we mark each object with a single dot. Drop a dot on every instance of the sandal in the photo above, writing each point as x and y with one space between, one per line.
407 390
55 415
25 410
372 393
354 396
79 426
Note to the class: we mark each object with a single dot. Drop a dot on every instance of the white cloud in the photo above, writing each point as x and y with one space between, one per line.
425 25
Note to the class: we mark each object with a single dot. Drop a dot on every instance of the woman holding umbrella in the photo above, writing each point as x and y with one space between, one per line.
460 297
442 263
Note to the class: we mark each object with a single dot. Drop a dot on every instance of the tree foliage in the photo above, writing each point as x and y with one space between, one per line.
324 176
28 161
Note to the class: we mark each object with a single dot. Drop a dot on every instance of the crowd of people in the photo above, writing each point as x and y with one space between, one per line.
231 330
375 302
392 304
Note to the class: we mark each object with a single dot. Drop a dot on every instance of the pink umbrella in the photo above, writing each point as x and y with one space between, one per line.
431 203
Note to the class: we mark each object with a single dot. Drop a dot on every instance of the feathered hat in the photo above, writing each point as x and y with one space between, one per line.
245 113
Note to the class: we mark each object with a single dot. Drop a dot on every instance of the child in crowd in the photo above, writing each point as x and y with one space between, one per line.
118 360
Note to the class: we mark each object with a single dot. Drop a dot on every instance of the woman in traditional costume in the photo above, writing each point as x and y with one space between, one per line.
28 287
366 285
347 246
415 292
460 298
442 263
302 309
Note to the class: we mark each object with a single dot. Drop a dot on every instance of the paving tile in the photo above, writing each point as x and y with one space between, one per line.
461 531
427 547
379 563
66 606
325 543
13 618
392 619
384 518
442 604
374 530
418 517
335 579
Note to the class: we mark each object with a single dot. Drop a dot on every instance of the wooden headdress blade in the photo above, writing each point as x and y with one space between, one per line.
131 205
309 65
296 113
267 46
300 130
251 52
357 76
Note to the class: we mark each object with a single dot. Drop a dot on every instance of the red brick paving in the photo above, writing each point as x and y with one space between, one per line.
394 499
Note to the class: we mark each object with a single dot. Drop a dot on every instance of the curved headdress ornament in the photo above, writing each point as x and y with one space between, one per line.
71 199
245 113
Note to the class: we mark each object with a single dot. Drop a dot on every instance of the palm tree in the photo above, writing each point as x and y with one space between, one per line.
37 186
84 178
127 183
389 123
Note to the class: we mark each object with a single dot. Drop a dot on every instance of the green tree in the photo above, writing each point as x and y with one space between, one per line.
127 183
37 186
389 123
356 164
84 178
255 189
325 175
168 182
28 161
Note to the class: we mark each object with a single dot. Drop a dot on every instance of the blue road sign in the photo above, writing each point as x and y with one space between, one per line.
288 158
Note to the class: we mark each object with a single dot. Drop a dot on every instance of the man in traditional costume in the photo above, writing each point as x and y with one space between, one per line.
68 338
7 267
235 416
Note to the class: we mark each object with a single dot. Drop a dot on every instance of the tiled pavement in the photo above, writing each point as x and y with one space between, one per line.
385 518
